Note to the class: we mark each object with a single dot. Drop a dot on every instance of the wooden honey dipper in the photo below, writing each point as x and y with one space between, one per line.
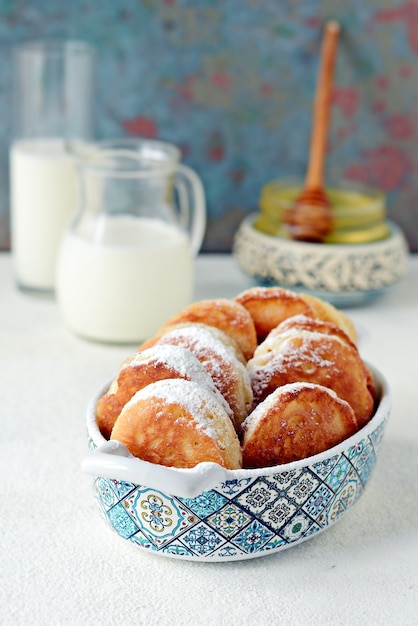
310 217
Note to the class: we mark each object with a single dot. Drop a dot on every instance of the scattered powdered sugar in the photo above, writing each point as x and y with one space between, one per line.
296 387
200 338
285 350
295 348
198 352
178 358
198 401
292 389
263 293
209 350
311 344
239 312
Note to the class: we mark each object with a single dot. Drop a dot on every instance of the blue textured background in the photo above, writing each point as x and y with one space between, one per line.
232 84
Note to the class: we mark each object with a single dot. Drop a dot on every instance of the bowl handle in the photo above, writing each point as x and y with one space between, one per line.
113 460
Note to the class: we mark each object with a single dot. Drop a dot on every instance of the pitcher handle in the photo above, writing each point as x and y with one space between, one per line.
192 203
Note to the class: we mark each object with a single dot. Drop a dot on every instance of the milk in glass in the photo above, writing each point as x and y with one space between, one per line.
43 195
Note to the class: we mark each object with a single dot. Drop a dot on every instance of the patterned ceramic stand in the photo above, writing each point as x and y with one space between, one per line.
341 274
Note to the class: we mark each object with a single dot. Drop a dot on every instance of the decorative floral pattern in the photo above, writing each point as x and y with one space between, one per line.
241 518
347 276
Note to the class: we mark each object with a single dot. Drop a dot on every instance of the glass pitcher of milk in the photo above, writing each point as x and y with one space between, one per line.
126 261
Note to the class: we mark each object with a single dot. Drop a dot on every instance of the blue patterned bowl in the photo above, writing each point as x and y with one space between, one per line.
343 274
211 514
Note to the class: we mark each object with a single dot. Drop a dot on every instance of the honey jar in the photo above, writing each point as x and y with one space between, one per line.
359 214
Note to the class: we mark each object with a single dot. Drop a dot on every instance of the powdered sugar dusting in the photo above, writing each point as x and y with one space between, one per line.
200 338
295 348
198 401
210 351
178 358
264 293
185 363
263 407
310 342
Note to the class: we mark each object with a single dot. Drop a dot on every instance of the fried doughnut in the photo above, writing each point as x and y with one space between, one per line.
227 315
223 337
298 355
148 366
328 313
294 422
268 306
178 423
308 323
219 360
328 328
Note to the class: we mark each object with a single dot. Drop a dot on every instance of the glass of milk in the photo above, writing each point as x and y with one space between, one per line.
126 260
52 101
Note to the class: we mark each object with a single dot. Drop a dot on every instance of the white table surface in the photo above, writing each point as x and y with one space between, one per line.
59 562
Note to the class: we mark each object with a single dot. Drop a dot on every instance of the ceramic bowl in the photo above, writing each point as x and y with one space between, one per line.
211 514
343 274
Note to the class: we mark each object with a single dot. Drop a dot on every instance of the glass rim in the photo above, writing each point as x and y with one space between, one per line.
100 160
53 45
135 144
344 185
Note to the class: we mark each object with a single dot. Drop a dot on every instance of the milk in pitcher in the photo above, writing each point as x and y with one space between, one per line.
124 287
